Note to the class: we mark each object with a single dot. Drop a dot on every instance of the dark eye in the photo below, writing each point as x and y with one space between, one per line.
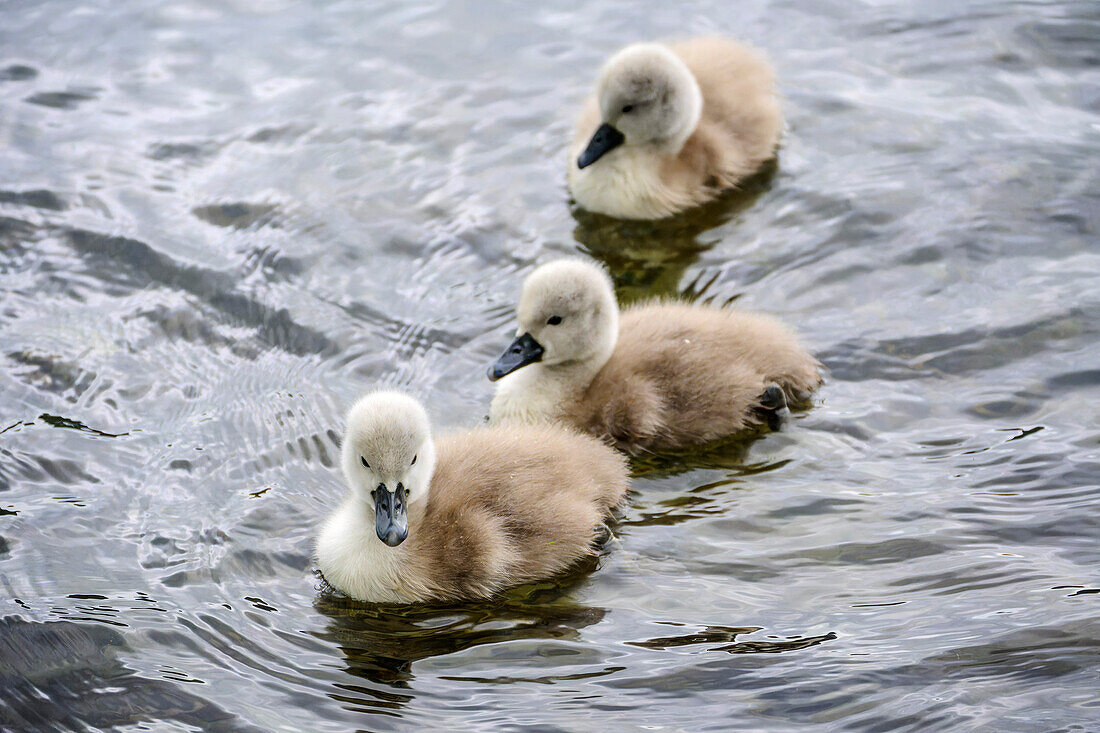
413 461
628 109
364 462
553 320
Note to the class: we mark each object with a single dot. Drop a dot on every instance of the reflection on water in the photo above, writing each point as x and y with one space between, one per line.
649 258
382 642
220 223
73 667
722 636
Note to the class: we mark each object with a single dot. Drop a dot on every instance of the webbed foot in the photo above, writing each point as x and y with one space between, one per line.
601 535
774 405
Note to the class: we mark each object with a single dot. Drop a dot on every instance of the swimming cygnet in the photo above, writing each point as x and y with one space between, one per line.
465 516
663 375
672 126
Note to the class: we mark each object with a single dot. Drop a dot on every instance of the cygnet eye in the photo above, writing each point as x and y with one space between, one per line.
413 461
628 109
553 320
364 462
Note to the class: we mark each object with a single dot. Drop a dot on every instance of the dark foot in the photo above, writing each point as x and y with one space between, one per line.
774 405
601 535
773 398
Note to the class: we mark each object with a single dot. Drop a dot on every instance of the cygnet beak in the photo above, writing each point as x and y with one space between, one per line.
606 139
391 521
523 351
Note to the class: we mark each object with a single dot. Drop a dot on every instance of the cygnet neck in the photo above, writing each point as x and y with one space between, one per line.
574 376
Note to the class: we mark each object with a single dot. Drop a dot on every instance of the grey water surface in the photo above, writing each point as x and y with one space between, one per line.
221 221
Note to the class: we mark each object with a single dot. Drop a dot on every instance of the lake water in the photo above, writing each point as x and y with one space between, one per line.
221 221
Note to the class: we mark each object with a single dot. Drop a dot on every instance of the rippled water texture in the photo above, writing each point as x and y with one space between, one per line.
222 221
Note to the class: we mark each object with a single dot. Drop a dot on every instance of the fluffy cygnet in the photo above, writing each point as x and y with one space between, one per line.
465 516
671 126
662 375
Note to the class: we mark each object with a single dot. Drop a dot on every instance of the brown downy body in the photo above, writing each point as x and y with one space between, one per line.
466 516
512 506
660 376
684 375
657 171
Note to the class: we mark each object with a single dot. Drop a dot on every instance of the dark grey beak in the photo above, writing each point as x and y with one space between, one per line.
523 351
606 139
391 521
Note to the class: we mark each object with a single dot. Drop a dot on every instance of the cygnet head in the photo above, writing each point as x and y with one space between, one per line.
567 315
647 96
388 458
